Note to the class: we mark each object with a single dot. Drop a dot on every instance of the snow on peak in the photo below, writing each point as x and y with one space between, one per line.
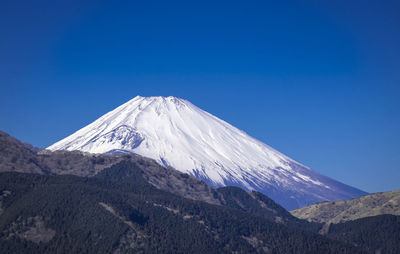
176 133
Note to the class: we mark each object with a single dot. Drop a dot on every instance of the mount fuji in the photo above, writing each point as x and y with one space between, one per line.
178 134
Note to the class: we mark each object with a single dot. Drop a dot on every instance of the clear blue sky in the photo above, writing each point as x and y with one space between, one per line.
317 80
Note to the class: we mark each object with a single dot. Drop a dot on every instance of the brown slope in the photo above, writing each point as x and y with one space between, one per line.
341 211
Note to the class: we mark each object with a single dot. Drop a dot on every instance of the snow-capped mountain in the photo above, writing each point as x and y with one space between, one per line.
176 133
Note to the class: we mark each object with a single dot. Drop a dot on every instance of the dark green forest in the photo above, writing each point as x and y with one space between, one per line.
105 214
377 234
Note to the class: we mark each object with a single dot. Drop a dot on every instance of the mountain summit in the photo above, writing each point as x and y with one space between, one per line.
176 133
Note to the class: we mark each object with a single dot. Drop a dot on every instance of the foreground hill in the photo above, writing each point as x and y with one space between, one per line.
341 211
70 214
16 156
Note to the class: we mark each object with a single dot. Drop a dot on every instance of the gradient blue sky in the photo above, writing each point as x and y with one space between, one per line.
317 80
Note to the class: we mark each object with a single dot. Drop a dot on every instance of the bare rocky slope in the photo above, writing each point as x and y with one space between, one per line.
347 210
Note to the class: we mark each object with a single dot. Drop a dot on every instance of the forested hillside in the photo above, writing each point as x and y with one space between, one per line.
70 214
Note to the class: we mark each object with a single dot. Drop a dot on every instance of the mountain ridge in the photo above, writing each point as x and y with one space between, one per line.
16 156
